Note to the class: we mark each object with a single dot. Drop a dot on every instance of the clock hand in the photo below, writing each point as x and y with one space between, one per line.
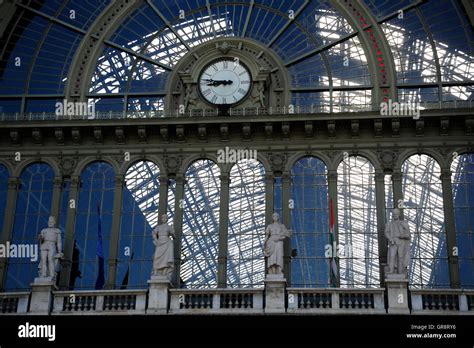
215 83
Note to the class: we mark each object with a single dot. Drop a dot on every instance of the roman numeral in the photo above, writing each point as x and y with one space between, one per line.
206 92
214 99
244 82
214 67
226 64
242 73
224 101
235 99
241 91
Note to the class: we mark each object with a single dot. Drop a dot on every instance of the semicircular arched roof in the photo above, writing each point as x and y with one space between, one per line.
325 44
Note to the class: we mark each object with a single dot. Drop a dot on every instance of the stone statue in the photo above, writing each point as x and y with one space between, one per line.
163 260
258 94
274 237
398 235
190 97
51 250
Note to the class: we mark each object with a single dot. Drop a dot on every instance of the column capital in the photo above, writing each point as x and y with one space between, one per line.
332 175
379 175
13 182
269 178
75 181
225 178
397 175
286 177
179 178
163 179
445 174
58 181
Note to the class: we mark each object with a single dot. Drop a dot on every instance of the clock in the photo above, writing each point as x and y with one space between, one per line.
225 81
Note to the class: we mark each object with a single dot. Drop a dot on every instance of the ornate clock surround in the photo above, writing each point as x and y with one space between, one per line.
270 82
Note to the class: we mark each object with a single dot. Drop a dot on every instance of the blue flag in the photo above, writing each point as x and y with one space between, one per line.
99 283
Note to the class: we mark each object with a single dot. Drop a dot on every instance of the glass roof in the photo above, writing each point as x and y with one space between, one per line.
324 53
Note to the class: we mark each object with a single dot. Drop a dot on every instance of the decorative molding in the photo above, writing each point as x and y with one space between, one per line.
15 136
76 135
278 161
37 136
120 135
331 128
142 136
67 165
172 163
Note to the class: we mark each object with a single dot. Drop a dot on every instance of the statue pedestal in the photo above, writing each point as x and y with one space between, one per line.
397 291
158 295
41 296
275 293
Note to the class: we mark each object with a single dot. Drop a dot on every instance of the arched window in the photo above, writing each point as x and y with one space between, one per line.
138 219
357 223
199 246
463 196
33 207
423 210
97 190
246 263
310 223
4 175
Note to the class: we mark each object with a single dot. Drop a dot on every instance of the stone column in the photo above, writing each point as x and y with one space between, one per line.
332 193
163 198
223 230
286 220
69 233
269 197
397 189
178 225
380 206
449 223
56 201
115 233
13 184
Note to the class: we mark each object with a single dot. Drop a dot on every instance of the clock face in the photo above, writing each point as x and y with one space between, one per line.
225 82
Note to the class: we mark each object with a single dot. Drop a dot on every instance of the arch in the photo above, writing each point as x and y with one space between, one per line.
87 161
33 208
309 223
200 232
190 160
96 194
125 166
428 152
366 154
139 215
27 162
462 179
295 158
357 223
423 210
8 166
246 225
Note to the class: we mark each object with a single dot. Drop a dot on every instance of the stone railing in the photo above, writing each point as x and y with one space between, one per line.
335 300
442 301
14 302
288 110
187 301
99 302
